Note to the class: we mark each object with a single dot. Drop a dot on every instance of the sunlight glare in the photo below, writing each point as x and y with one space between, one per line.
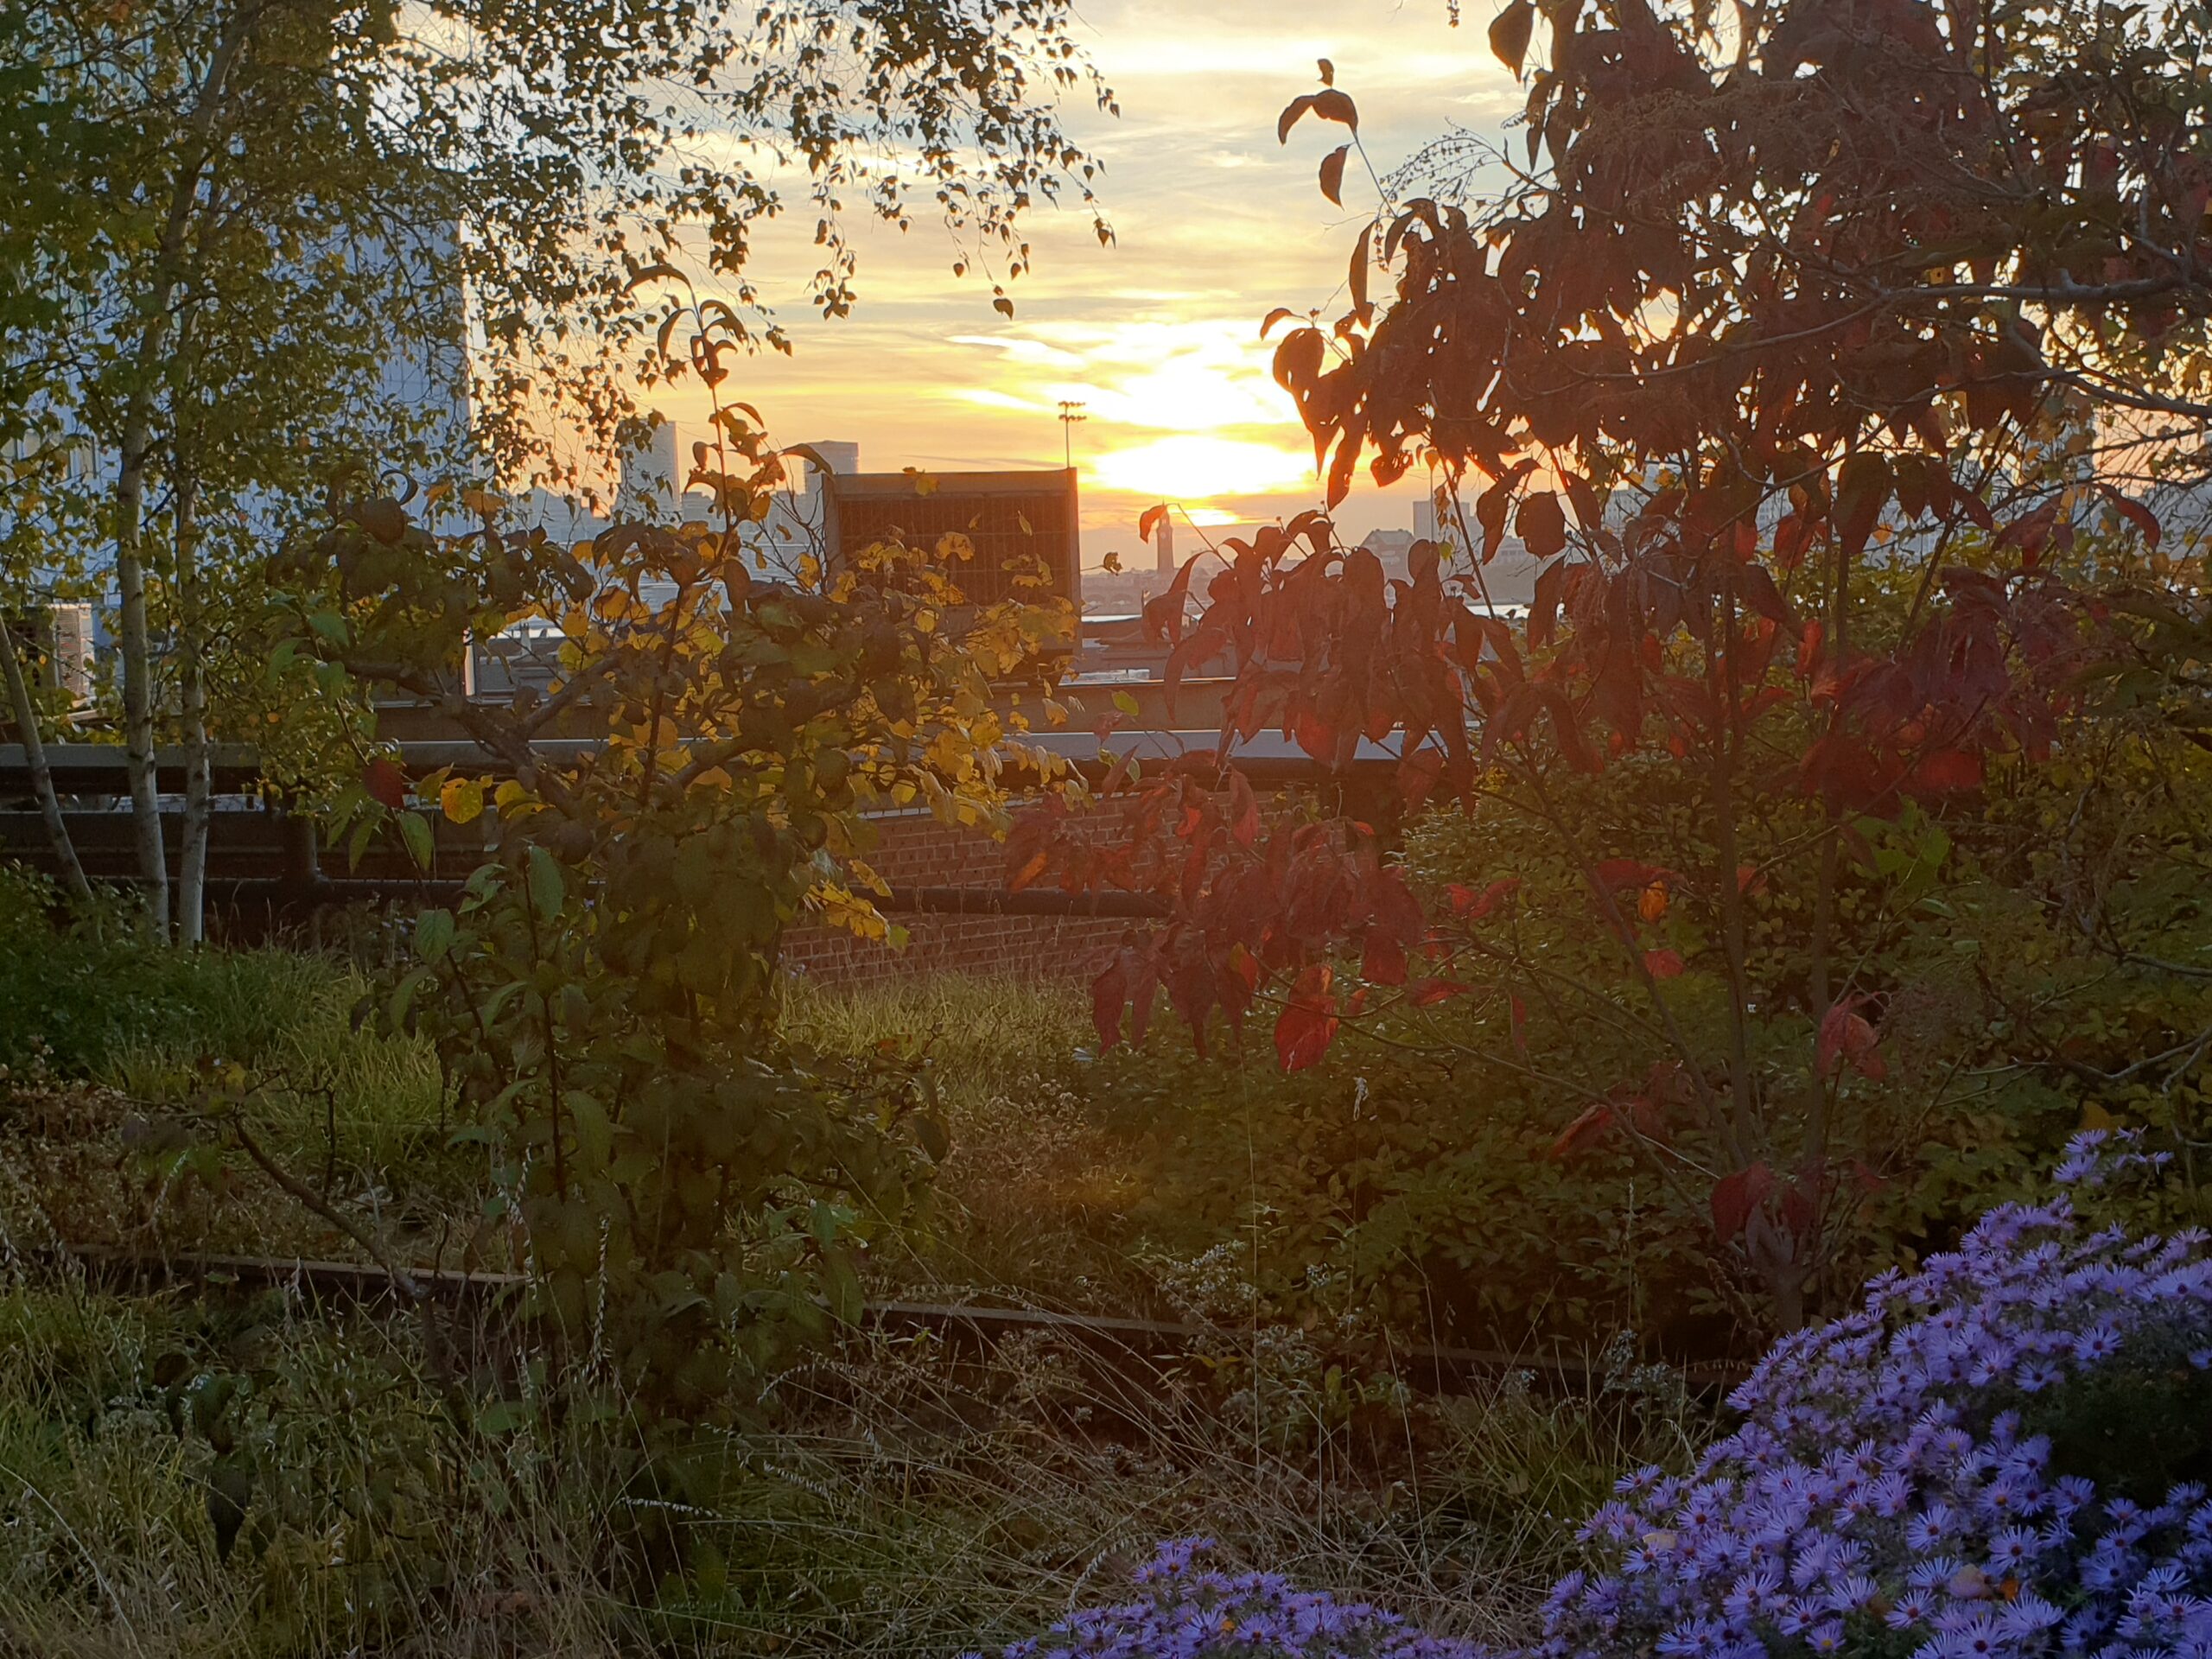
1190 467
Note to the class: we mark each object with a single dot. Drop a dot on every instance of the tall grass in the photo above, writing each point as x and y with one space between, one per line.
289 1019
903 1501
984 1034
1032 1203
901 1505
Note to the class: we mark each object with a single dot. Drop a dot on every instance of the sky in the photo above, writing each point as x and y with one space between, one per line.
1158 335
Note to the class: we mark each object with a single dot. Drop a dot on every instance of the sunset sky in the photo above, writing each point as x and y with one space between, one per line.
1217 223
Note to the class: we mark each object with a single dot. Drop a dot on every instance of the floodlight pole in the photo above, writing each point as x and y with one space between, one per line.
1069 417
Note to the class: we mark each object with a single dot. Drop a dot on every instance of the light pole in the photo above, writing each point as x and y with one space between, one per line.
1070 413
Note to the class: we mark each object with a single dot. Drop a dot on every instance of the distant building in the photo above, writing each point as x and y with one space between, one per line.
652 488
1004 517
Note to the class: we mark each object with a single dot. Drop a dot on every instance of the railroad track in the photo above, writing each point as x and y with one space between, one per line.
1119 1342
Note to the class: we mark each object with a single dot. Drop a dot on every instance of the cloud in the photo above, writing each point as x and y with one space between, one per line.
992 399
1158 335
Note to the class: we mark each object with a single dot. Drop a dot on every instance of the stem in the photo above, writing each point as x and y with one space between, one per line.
1819 994
1726 851
408 1286
49 805
1618 923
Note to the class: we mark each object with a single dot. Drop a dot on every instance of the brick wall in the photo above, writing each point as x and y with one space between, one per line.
915 850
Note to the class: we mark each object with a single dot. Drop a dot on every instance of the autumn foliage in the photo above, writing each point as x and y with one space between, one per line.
1801 358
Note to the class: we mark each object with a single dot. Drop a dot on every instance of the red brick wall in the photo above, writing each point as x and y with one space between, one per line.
915 850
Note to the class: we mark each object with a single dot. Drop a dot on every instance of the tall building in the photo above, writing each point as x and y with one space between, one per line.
651 486
1425 521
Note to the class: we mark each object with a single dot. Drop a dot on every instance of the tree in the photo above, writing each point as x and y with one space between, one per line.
1813 359
602 997
281 198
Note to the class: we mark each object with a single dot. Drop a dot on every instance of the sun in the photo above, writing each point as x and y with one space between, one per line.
1191 466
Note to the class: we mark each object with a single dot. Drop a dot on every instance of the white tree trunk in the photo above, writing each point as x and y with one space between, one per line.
199 780
49 805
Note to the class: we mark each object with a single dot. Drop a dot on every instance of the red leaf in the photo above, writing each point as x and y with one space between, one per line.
1108 993
1383 962
1492 506
1509 33
1594 1122
1949 769
1417 776
1798 1212
1862 489
1808 648
2136 514
1735 1197
1759 592
1473 907
1332 174
1244 811
385 782
1846 1035
1517 1019
1427 993
1333 106
1663 964
1308 1022
1627 873
1543 609
1542 526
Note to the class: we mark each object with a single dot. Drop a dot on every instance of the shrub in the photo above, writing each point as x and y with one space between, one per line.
2002 1455
84 991
1922 1476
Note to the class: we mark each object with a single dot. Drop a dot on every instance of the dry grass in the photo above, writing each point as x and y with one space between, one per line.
903 1503
1033 1204
905 1500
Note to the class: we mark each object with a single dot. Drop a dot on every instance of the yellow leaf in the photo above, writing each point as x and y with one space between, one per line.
2095 1116
463 799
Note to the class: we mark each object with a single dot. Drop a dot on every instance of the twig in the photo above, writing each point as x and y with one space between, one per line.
307 1195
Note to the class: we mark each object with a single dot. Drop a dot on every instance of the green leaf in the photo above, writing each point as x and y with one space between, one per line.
434 934
415 830
594 1135
841 1288
549 891
332 626
1126 703
503 1417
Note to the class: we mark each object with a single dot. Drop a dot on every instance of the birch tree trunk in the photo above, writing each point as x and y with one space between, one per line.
136 444
136 644
192 661
50 805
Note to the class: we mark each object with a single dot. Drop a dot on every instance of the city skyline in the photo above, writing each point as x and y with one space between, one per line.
1158 335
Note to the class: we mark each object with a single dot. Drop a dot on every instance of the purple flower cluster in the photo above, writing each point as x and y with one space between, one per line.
1885 1494
1187 1610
